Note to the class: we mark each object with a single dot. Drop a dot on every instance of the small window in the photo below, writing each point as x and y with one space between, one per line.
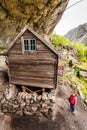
29 44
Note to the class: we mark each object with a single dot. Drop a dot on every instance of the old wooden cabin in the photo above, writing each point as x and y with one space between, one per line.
32 61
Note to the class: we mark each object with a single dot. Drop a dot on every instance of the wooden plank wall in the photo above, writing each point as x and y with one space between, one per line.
32 68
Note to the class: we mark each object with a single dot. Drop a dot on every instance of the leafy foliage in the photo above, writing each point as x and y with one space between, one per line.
81 51
57 39
81 48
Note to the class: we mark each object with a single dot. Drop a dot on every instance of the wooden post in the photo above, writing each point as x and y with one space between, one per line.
23 88
43 90
22 44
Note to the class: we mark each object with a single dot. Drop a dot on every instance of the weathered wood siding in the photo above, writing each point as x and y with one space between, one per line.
38 69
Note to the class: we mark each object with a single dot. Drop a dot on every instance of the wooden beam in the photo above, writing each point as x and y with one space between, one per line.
22 44
3 54
41 85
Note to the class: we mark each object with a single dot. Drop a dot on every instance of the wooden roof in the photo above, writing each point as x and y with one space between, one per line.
49 45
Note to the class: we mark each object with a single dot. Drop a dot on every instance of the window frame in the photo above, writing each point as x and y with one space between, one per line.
30 45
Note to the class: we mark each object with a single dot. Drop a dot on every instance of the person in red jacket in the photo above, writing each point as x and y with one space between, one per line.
73 101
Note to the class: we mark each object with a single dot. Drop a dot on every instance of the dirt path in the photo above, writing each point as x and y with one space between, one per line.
74 122
63 120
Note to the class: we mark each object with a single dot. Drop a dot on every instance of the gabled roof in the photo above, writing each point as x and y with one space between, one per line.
49 45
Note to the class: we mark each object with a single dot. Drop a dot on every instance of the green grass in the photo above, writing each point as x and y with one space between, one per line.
2 47
84 91
84 66
81 49
75 79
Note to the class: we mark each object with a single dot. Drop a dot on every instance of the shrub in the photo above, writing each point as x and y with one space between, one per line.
81 48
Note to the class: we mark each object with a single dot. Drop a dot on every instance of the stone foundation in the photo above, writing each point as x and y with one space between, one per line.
29 104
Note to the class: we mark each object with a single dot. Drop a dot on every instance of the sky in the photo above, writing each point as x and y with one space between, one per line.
72 17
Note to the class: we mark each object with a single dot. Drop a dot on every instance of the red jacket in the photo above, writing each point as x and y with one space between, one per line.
73 100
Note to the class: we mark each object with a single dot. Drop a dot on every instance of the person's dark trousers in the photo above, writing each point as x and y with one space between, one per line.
72 108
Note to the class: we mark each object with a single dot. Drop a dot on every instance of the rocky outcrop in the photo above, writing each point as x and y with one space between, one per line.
78 34
41 15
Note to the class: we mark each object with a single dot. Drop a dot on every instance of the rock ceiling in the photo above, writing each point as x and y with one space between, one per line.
41 15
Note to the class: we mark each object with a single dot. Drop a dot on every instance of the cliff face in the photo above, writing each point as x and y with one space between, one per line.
41 15
78 34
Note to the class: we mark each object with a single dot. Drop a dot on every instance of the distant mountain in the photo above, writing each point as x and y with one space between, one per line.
78 34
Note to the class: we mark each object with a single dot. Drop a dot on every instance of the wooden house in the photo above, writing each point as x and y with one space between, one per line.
32 61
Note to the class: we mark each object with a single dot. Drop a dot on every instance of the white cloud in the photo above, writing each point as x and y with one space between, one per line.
72 17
